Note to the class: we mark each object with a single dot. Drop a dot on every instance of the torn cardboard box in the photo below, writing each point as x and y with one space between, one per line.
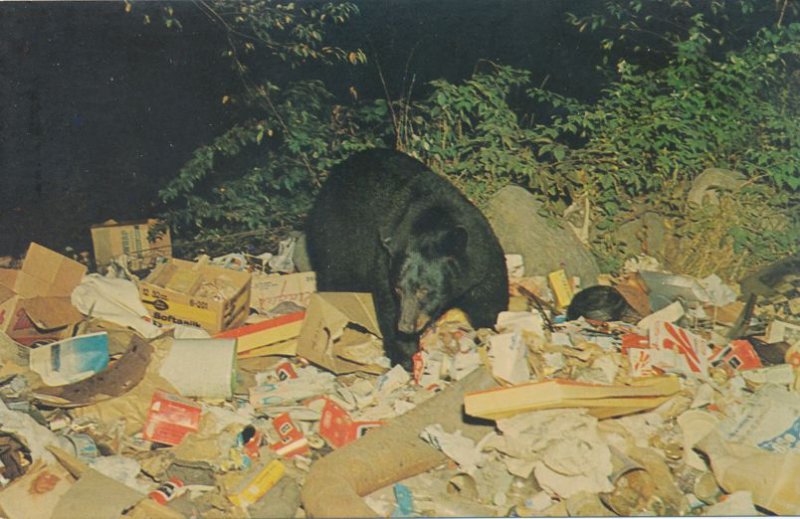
259 335
112 239
35 300
196 294
269 291
335 322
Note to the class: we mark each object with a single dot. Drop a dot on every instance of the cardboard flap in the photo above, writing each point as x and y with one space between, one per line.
327 316
356 308
47 273
8 278
49 313
5 294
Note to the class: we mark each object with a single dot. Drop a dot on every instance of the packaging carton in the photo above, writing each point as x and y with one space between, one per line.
338 428
170 418
264 333
196 294
112 239
35 300
269 291
334 322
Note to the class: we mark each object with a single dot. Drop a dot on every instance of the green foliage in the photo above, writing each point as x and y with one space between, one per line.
647 32
650 133
470 132
653 131
222 202
255 181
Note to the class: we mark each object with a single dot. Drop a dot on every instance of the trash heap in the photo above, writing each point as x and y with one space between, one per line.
229 387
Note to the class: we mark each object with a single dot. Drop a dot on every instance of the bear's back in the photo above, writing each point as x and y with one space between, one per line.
378 194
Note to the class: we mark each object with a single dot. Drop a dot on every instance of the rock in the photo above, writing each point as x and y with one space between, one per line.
544 244
704 187
300 256
647 234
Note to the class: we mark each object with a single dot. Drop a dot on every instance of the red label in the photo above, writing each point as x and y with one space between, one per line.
170 418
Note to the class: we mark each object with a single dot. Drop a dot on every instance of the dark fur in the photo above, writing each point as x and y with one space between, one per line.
600 303
384 223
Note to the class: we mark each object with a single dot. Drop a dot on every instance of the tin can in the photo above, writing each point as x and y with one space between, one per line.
166 491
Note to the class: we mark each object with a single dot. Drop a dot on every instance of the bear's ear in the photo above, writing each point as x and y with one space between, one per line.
455 240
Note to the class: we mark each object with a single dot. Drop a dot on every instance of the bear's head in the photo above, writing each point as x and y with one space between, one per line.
425 275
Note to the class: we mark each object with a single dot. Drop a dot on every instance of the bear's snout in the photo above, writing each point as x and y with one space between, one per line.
412 319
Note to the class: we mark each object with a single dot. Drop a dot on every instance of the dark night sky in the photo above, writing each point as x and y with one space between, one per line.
97 109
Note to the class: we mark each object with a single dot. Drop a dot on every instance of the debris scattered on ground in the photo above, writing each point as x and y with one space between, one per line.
226 387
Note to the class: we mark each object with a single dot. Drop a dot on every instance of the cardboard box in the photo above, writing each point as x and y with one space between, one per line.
170 418
35 300
338 428
562 290
111 239
334 322
292 440
271 290
738 355
266 332
196 294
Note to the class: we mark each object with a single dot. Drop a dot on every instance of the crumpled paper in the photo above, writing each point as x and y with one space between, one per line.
115 300
457 447
562 447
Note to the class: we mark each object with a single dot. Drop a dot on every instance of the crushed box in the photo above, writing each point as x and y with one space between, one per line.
111 239
270 290
196 294
35 302
334 322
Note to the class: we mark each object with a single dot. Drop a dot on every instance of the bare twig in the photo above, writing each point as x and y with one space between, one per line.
783 12
395 123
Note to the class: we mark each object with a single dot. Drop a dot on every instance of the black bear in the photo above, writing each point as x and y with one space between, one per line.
601 303
386 224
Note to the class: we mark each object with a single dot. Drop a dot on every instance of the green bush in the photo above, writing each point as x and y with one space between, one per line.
640 144
654 131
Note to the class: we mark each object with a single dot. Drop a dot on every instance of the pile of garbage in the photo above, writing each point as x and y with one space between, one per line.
229 387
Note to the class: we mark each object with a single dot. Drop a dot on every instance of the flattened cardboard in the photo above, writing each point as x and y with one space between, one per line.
50 313
112 239
46 273
35 301
98 496
36 494
328 315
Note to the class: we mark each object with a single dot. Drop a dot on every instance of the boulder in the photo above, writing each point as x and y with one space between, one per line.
302 263
544 243
647 234
705 186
